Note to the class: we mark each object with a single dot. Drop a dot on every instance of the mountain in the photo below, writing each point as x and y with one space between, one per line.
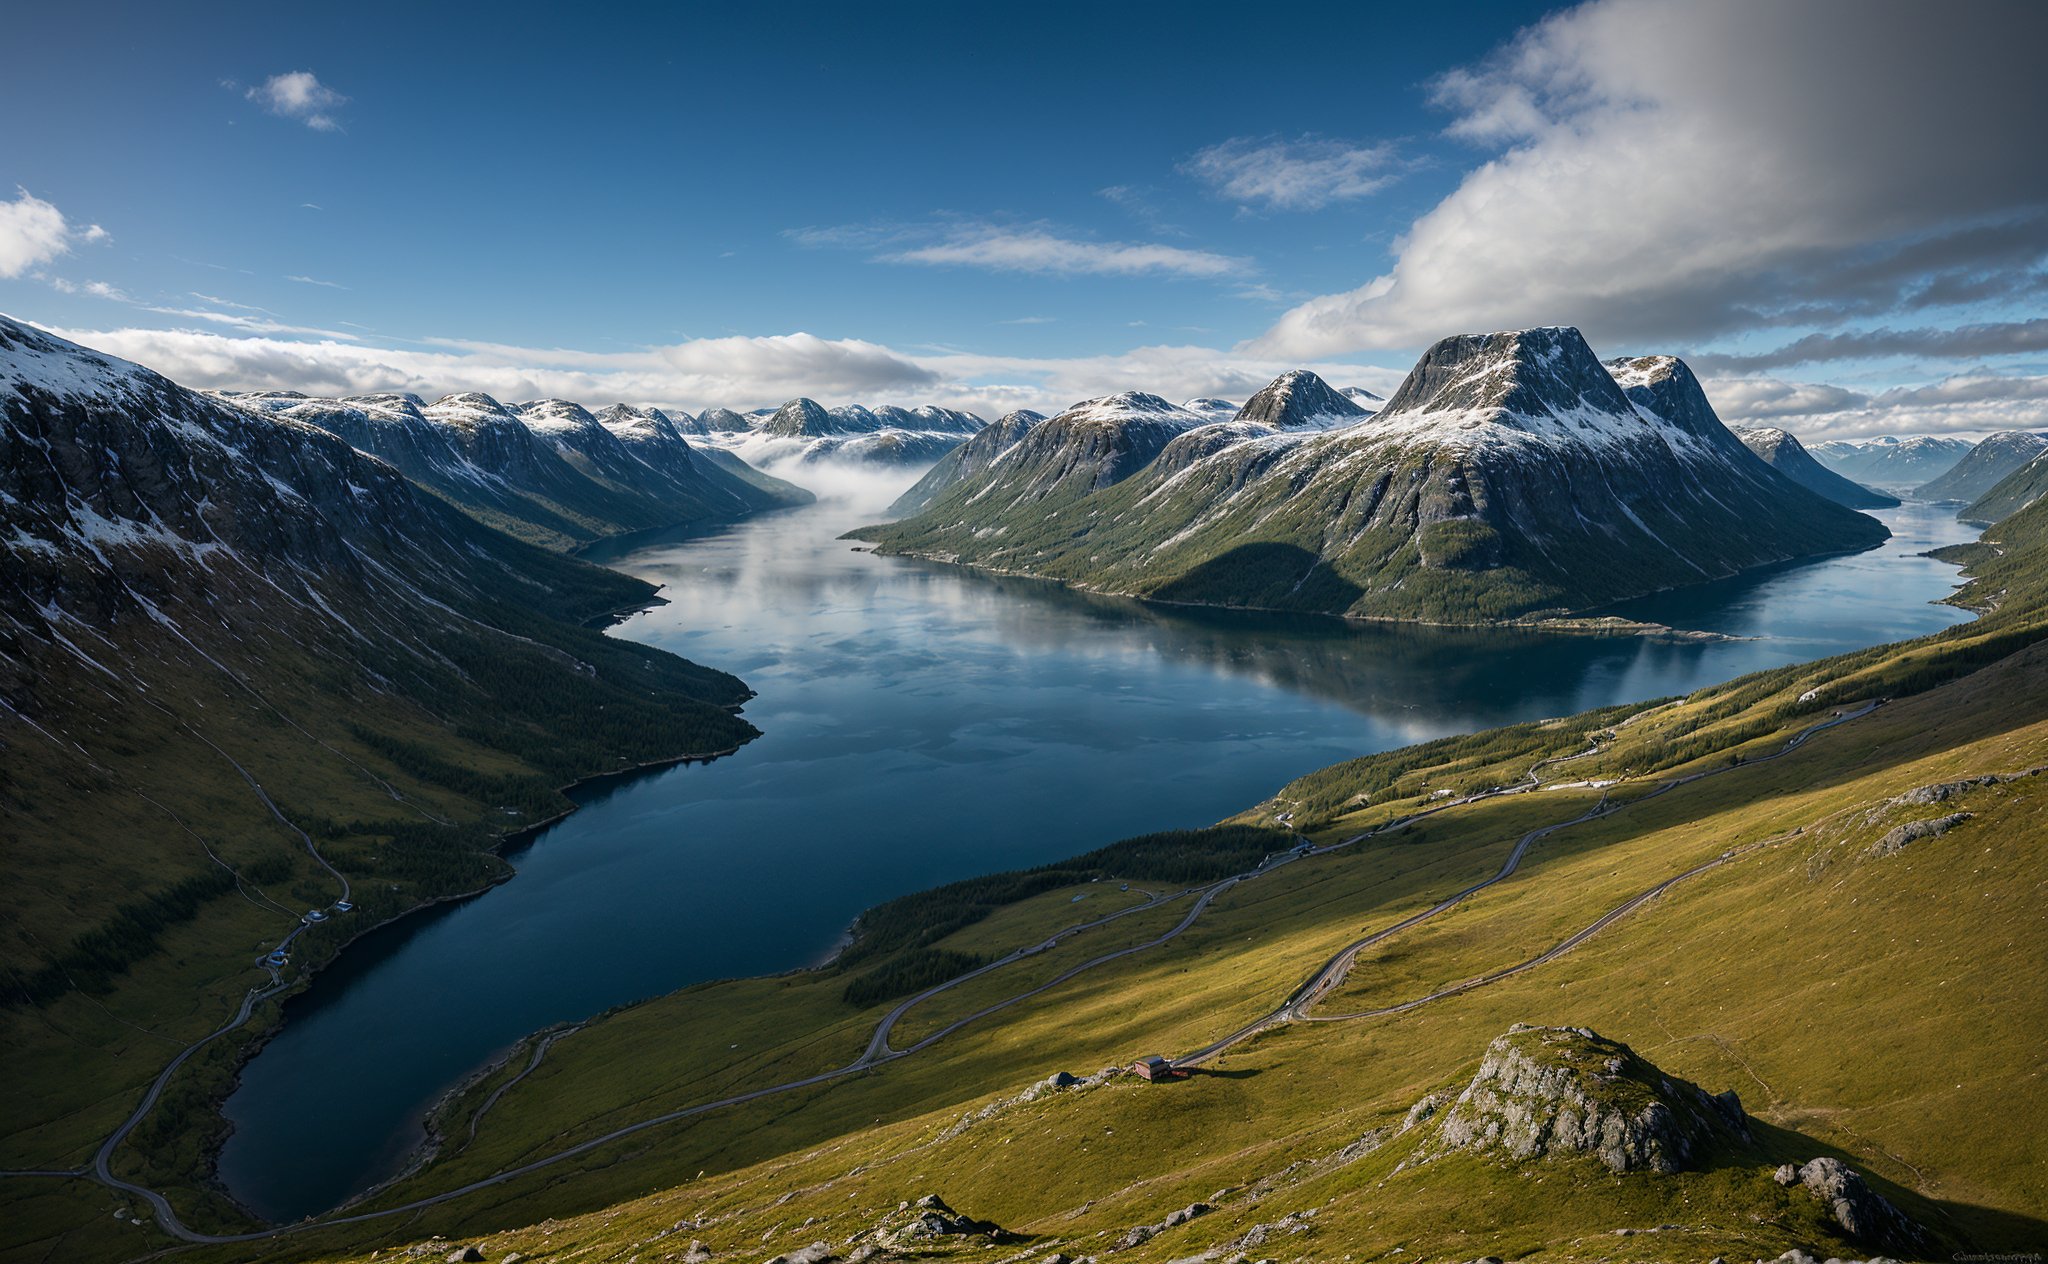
1890 462
1363 398
1785 454
1985 466
1299 400
246 670
1086 447
2011 494
1511 475
967 460
651 436
722 421
548 472
1211 409
804 430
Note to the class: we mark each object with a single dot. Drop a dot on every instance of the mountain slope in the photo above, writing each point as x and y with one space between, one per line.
547 472
2010 494
1510 475
966 461
1890 462
653 437
1985 466
247 670
1785 454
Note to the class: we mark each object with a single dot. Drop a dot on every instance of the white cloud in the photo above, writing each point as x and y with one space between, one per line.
306 280
299 95
33 232
1966 404
1668 172
736 372
1306 174
1027 248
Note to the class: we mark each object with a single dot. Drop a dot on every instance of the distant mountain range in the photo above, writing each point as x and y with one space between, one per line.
548 472
1891 463
1984 466
1511 475
1785 454
804 431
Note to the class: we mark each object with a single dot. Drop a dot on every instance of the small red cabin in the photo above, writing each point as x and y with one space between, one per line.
1154 1068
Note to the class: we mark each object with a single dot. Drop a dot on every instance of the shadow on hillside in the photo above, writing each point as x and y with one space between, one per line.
1955 1228
1267 576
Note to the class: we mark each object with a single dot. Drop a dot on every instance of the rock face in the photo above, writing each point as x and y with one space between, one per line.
968 460
1512 474
1985 466
1892 463
1864 1214
1543 1091
1897 840
1785 454
2010 494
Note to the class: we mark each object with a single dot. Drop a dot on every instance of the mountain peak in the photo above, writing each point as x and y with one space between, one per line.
1516 374
801 416
1298 400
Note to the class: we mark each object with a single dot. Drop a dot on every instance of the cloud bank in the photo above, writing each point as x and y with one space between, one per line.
1670 172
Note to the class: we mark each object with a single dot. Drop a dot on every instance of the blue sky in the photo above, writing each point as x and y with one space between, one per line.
1000 206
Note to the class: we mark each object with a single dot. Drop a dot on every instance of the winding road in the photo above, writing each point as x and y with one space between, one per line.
1294 1008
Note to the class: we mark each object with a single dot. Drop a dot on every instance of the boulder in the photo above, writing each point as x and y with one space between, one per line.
465 1255
1544 1091
1863 1213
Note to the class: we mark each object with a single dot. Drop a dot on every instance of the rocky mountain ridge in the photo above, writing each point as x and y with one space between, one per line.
1512 474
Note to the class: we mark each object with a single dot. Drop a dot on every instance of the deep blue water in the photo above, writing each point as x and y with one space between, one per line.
923 723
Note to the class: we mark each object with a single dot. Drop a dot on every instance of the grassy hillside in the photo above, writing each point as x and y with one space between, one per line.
1869 999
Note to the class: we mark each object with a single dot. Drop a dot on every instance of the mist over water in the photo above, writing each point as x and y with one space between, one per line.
923 723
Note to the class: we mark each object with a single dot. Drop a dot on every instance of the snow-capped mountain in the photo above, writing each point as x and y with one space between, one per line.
1299 400
215 616
1784 453
1363 398
548 472
1891 463
1211 409
966 461
2012 493
1091 445
804 430
1511 474
1984 466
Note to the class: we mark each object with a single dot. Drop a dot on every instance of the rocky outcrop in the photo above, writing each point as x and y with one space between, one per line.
1546 1091
1896 840
1141 1234
1864 1214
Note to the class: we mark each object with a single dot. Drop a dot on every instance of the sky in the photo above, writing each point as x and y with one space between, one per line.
1836 210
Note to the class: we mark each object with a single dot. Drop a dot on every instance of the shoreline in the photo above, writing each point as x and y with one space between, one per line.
508 840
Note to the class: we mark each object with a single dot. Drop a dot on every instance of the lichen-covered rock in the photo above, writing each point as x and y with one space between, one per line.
1896 841
1862 1212
1548 1090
